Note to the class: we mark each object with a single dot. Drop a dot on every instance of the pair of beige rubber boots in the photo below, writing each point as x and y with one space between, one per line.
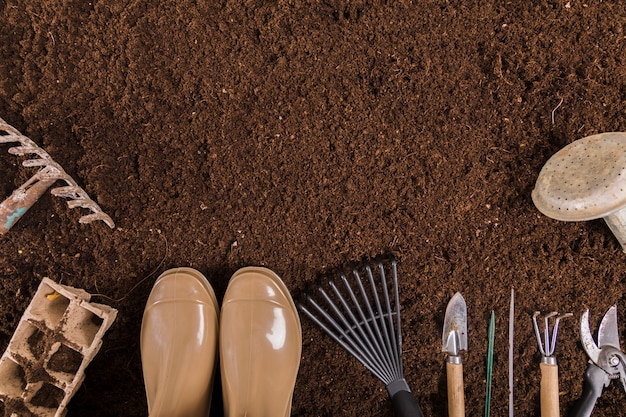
259 336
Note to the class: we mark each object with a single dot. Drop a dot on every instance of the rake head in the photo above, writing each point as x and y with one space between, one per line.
49 172
361 312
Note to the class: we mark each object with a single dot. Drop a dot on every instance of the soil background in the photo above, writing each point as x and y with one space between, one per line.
302 136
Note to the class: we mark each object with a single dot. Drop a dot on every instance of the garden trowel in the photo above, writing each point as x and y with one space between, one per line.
454 341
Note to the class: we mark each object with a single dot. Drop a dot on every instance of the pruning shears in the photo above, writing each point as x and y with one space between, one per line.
606 361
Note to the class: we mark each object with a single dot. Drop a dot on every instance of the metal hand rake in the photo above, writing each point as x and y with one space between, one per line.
364 318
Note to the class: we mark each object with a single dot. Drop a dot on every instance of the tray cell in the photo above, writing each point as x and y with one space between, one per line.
49 306
12 378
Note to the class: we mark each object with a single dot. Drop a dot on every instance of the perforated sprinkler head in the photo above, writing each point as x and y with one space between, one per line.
586 180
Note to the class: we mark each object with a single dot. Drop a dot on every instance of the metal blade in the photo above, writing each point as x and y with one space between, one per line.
454 336
586 338
608 334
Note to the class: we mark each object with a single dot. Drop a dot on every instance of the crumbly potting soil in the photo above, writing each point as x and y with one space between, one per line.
302 136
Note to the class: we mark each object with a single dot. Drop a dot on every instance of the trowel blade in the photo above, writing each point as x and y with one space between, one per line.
454 337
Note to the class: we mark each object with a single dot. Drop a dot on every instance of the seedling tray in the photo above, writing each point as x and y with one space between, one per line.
57 337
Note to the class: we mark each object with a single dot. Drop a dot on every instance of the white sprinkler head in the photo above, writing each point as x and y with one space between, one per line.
586 180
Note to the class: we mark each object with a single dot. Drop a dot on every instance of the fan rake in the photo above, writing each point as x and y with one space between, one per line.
364 319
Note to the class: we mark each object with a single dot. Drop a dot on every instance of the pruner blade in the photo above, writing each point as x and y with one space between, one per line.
586 338
606 361
606 354
608 334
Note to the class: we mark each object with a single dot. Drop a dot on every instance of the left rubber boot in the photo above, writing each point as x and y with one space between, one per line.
179 344
260 345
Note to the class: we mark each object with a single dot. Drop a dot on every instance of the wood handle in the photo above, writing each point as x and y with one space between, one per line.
456 394
549 390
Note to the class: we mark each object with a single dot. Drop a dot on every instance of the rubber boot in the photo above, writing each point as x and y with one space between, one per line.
179 344
260 345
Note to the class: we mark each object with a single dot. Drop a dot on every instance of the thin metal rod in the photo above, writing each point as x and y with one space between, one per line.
398 338
490 345
537 333
511 356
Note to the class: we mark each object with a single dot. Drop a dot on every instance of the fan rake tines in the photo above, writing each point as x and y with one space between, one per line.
362 319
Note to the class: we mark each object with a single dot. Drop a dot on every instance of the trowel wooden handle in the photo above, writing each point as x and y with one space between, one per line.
549 390
456 394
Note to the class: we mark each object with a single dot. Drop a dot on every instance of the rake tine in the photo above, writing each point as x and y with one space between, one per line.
390 354
556 329
397 339
353 346
537 333
372 322
364 322
546 332
347 331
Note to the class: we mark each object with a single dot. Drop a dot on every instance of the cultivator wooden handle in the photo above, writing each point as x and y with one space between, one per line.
549 391
549 385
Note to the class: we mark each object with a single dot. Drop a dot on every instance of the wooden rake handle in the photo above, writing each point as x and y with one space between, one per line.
456 392
549 391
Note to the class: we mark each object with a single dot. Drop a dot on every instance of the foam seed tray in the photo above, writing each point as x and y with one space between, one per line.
57 337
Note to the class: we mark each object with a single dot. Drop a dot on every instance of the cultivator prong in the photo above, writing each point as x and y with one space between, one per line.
23 198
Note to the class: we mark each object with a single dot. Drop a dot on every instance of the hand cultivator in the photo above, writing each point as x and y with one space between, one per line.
14 207
549 388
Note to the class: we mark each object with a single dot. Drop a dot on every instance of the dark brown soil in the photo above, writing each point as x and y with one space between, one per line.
16 406
65 360
48 396
304 135
37 343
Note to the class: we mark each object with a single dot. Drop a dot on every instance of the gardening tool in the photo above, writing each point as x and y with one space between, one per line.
490 344
26 195
584 181
454 340
511 355
606 361
549 386
20 200
366 322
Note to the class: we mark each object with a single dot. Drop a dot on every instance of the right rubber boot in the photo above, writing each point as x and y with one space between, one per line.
179 334
260 345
